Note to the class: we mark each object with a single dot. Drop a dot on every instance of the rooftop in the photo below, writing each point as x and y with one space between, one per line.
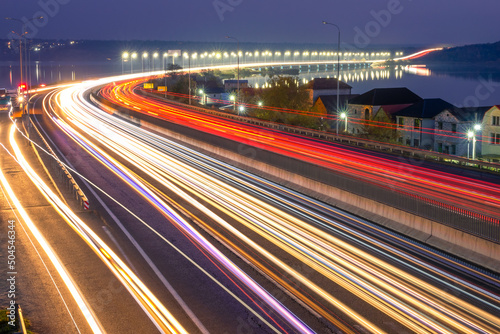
426 108
330 101
327 83
472 114
387 96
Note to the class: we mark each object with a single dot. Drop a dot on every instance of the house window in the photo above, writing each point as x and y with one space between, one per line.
495 138
416 124
415 142
440 147
495 120
400 121
453 128
367 114
440 125
453 149
400 140
408 142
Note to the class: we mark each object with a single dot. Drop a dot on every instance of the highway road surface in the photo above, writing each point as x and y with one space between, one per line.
204 247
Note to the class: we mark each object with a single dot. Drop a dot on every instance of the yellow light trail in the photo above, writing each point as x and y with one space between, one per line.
416 304
90 317
135 286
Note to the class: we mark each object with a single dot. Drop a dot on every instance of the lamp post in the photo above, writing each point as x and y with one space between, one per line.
175 55
203 97
165 55
338 70
189 79
470 135
238 82
343 115
144 55
132 57
155 55
477 128
195 56
23 36
232 98
124 57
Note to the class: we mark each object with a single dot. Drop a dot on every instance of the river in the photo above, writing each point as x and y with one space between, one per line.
459 87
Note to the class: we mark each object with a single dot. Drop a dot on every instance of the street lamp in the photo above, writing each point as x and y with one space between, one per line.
124 56
26 51
343 115
238 82
132 57
241 109
155 55
338 70
203 97
165 55
175 55
285 54
189 79
144 55
232 98
194 56
472 134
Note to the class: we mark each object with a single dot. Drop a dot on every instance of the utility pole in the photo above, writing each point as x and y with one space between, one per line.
21 37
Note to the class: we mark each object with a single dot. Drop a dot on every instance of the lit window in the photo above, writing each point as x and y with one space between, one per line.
416 124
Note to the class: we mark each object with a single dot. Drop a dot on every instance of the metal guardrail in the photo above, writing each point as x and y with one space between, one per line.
352 141
66 176
474 223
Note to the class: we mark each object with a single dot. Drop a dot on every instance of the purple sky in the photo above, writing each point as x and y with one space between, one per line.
455 22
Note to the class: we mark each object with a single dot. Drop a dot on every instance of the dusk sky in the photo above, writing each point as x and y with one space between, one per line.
362 22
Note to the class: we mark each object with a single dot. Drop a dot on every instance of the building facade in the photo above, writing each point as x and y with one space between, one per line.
326 86
416 124
490 139
363 108
452 128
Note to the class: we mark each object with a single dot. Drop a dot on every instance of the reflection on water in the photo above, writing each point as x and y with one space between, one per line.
438 83
51 72
349 75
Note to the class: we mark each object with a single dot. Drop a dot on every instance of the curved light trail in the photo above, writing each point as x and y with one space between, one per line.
481 199
313 233
80 117
86 310
152 306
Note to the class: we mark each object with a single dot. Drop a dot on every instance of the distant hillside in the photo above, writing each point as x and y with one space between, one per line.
480 54
99 50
